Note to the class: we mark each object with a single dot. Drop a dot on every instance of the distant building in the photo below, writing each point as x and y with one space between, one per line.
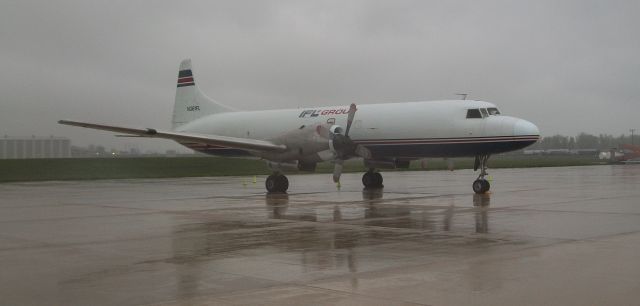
34 147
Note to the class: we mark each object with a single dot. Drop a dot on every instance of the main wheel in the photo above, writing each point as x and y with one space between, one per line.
276 183
378 180
481 186
368 179
270 183
372 180
283 183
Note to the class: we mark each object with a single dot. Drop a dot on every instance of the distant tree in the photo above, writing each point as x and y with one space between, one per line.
587 141
622 140
572 143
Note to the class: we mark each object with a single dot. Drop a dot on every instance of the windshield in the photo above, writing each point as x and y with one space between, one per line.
473 113
493 111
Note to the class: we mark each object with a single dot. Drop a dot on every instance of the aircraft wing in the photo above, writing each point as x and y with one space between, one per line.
232 142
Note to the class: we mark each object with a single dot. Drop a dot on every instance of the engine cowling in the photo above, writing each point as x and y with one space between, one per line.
309 144
292 166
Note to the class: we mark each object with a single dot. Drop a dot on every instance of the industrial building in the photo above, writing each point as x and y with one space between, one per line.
34 147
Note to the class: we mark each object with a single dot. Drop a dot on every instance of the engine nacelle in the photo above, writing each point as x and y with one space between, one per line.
282 166
309 144
291 166
336 129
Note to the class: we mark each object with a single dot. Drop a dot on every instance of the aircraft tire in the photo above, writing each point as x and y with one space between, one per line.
277 183
270 183
367 179
481 186
372 180
283 183
378 179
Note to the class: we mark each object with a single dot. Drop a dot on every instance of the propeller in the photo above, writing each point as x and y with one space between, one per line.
345 147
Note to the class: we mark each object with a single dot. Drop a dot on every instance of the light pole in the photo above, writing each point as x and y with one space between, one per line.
632 131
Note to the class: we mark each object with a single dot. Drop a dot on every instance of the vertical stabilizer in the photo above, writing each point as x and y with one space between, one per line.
191 103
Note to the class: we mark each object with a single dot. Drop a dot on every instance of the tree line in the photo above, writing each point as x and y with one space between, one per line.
584 141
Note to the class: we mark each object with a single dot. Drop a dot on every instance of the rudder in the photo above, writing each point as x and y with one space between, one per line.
191 103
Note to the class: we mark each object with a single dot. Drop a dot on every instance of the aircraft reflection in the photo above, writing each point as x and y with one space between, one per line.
376 211
372 195
325 239
331 240
481 203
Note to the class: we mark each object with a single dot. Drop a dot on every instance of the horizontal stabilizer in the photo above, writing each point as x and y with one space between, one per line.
225 141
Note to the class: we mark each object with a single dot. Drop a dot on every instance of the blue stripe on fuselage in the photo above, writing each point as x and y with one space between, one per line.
445 150
409 150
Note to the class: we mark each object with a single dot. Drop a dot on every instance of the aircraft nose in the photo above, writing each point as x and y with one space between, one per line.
525 128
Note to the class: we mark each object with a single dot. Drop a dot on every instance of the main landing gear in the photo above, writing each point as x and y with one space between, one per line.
481 185
277 183
372 179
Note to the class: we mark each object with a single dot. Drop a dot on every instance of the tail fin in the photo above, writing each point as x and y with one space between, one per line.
191 103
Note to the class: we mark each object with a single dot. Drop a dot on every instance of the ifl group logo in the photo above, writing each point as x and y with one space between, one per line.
323 112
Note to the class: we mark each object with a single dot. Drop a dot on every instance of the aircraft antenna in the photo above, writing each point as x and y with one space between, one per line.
463 95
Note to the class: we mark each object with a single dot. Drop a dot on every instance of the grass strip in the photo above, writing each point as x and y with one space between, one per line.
14 170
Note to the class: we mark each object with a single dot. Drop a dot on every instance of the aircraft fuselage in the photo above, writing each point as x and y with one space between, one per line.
408 131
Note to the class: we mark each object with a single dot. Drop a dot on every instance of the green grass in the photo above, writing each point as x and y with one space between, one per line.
106 168
12 170
514 161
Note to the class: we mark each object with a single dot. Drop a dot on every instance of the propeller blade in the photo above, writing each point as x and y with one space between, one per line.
337 170
352 113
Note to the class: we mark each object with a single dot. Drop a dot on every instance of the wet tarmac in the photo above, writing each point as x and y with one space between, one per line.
553 236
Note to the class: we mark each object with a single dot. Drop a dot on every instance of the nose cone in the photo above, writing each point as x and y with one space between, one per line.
525 128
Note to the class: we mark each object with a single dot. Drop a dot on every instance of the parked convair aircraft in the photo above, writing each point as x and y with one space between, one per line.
384 135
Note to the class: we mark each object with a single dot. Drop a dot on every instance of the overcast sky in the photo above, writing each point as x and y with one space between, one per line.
568 66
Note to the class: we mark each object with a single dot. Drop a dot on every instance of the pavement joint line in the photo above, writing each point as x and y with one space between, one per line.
607 236
585 199
554 242
237 231
277 283
374 297
347 223
516 208
289 283
81 217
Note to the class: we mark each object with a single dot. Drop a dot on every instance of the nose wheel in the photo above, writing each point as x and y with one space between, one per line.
481 185
277 183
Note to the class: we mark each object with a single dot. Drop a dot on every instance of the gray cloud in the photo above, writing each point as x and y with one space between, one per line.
568 66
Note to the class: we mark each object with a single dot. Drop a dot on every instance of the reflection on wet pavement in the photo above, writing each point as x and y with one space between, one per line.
423 239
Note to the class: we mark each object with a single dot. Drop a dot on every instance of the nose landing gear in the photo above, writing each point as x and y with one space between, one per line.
481 185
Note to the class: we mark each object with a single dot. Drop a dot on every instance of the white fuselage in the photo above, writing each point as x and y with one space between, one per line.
393 130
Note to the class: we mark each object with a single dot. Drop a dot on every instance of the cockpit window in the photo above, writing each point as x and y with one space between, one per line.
493 111
473 113
484 112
